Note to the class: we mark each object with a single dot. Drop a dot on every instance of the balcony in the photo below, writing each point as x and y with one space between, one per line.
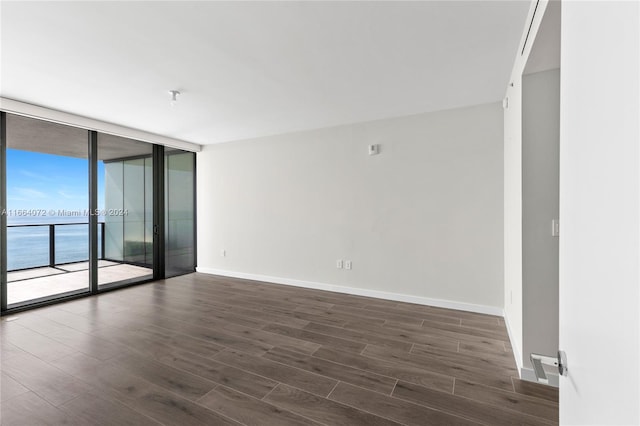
52 264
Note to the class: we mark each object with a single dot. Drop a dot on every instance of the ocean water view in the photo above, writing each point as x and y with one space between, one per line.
28 240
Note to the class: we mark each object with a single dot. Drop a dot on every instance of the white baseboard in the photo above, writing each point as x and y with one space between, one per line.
448 304
526 373
517 354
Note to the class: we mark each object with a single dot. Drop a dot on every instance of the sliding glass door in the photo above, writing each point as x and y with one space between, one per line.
125 203
83 212
180 221
47 238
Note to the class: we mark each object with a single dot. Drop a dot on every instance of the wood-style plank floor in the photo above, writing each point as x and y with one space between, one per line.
207 350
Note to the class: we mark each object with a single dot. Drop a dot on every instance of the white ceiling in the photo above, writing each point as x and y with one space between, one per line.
250 69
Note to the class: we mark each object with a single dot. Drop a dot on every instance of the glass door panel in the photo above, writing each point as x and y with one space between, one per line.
125 204
180 250
47 211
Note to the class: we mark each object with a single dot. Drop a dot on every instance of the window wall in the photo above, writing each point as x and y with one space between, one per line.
84 212
125 200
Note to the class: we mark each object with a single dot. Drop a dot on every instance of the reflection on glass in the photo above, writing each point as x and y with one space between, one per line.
135 245
125 173
179 213
113 197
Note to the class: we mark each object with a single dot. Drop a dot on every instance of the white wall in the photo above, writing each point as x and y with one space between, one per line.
513 292
600 213
421 221
513 216
540 205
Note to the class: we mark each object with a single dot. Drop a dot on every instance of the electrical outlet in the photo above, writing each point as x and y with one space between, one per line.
339 264
347 264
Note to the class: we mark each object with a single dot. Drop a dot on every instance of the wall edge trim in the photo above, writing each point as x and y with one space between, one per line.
517 354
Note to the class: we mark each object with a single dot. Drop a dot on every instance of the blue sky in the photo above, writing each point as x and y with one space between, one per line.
49 182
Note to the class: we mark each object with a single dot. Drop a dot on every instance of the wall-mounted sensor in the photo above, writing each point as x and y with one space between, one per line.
173 97
374 149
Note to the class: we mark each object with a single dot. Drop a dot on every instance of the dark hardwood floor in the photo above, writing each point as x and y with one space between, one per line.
206 350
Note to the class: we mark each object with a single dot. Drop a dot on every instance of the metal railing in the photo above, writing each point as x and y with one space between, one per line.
52 240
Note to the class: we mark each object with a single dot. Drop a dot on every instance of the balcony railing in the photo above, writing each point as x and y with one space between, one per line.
52 242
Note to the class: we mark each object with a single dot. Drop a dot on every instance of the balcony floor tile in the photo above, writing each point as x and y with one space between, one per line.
36 283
